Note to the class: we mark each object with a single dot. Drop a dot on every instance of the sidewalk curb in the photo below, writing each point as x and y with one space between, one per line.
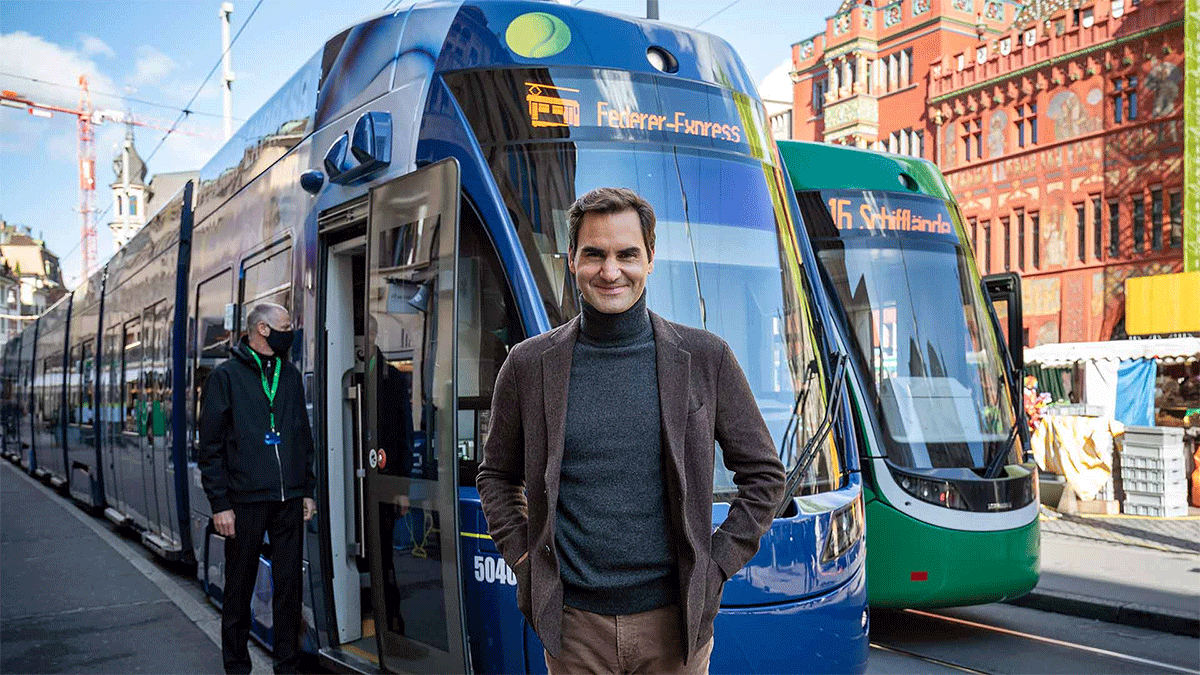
1129 614
202 614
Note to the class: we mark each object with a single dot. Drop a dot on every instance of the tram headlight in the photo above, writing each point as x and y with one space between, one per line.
845 529
940 492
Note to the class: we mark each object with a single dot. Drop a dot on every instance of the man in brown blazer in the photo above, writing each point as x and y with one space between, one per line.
597 473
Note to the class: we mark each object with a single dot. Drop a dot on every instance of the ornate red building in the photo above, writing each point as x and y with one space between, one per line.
1058 123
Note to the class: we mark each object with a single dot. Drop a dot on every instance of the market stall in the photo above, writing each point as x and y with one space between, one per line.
1151 383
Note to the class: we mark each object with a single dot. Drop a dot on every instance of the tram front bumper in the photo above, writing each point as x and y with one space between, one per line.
822 634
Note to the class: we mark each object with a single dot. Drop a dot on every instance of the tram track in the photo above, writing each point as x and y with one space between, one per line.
942 640
929 659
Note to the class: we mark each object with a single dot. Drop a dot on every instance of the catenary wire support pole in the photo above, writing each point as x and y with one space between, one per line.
226 68
652 9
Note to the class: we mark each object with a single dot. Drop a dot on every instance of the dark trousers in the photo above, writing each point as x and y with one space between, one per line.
284 521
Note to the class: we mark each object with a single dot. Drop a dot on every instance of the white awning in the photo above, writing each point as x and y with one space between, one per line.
1169 350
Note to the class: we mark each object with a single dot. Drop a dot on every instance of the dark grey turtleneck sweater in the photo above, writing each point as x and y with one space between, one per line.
614 546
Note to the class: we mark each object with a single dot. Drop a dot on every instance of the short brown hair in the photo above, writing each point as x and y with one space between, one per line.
613 200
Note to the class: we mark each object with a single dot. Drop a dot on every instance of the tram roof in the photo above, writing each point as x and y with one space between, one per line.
393 48
822 166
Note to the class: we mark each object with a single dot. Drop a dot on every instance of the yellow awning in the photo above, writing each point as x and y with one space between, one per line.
1163 304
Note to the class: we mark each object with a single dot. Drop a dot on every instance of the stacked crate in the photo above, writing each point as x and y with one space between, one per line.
1152 472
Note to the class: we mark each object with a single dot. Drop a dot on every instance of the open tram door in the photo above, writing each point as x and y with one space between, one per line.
409 422
1003 291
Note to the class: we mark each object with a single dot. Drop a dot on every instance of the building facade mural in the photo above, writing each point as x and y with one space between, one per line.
1063 120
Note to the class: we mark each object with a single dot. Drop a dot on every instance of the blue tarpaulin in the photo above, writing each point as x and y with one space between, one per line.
1135 392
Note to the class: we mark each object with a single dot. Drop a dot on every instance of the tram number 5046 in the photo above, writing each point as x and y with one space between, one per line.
494 570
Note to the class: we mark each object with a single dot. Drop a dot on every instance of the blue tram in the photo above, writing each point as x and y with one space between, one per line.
405 194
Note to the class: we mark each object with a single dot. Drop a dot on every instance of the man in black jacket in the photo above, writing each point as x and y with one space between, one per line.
256 464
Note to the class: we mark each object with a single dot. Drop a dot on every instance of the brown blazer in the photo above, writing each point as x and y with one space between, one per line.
703 397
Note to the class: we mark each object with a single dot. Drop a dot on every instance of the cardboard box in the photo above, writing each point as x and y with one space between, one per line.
1100 507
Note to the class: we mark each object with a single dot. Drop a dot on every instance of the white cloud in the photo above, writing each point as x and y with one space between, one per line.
62 146
151 66
94 46
33 56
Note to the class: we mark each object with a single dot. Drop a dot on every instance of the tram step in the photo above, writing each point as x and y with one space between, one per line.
119 519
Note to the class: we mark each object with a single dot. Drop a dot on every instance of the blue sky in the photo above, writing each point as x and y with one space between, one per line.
159 51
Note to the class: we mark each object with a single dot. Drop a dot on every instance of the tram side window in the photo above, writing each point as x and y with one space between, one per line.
267 278
153 386
73 387
86 375
488 327
212 338
131 367
111 386
47 373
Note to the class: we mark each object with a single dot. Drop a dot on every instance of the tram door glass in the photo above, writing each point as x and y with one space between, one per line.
212 341
410 410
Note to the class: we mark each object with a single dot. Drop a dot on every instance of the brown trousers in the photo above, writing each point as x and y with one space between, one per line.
647 642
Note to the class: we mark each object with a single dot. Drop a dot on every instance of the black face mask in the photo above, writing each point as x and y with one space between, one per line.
280 341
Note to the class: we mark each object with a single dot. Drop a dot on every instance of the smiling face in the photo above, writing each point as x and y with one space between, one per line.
610 260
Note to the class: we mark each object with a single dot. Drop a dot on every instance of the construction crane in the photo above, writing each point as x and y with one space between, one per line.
88 118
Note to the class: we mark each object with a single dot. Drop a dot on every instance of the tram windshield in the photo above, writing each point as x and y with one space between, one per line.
919 323
718 259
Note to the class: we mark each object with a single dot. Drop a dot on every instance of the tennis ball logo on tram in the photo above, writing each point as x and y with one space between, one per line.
537 35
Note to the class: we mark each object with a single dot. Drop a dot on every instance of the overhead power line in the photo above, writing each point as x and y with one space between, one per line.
718 13
75 88
186 107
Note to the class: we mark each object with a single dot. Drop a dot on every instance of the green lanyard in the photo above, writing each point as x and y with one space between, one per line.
269 391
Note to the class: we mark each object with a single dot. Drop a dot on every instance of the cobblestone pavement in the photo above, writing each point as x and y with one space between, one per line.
1176 535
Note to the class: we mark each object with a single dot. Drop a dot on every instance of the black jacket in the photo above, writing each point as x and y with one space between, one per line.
236 464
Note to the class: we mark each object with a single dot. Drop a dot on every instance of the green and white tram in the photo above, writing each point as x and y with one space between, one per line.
951 490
